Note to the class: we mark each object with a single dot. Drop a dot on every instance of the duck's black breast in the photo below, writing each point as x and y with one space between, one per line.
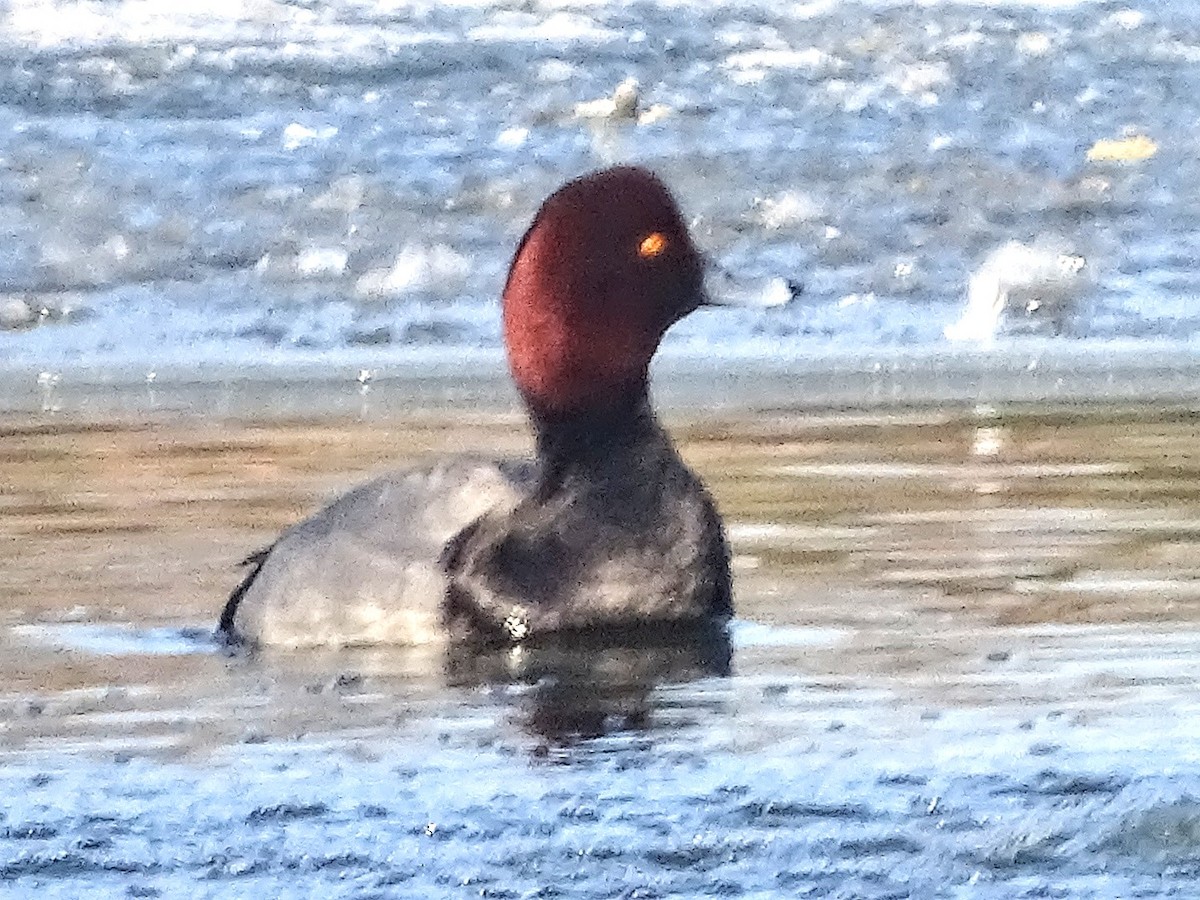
626 540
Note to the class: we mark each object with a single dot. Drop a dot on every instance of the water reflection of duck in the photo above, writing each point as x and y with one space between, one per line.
582 689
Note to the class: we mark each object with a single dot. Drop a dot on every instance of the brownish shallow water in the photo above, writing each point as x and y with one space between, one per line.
964 597
929 540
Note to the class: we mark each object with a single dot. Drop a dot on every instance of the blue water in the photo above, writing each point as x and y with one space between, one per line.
773 783
342 184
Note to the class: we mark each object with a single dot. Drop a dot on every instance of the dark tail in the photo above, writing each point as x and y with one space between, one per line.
225 625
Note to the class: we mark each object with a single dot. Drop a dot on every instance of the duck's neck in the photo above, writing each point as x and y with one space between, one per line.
597 440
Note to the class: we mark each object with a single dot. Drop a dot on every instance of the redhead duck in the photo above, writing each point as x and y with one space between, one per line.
606 531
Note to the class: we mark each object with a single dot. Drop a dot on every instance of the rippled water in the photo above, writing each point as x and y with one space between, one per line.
965 660
341 184
964 665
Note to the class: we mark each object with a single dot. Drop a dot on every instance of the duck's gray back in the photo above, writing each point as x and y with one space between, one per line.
365 569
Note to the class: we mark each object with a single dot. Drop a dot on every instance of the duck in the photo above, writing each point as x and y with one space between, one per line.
605 531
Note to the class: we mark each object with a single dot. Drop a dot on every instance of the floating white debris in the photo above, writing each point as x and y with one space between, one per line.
655 113
785 210
989 440
297 135
919 79
849 300
556 71
725 289
511 138
15 312
557 28
117 246
48 385
1036 286
322 261
812 59
623 104
1034 43
1129 19
1132 148
435 269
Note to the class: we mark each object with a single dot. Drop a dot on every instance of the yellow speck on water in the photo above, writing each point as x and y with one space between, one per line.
1127 149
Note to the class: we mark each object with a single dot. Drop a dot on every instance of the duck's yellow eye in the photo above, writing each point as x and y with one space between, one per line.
652 245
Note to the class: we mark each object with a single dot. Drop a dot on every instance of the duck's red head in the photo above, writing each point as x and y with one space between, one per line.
605 269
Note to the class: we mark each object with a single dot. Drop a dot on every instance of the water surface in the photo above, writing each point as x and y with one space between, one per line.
964 664
341 184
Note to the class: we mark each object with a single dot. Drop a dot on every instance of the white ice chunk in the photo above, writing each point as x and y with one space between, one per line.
437 269
321 261
296 135
1035 283
15 312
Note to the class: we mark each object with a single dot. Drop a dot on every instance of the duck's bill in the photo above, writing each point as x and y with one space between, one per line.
722 288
